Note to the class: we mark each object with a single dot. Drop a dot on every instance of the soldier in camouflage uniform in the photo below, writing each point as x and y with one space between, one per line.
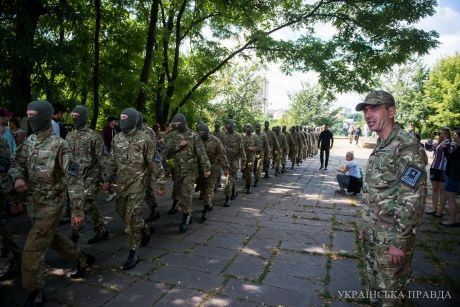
233 144
395 194
8 248
292 152
187 150
150 195
218 160
262 149
300 144
218 134
274 147
250 152
284 147
132 161
40 167
87 148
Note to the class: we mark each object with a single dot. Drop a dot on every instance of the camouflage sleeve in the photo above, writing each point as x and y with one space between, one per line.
18 169
202 156
242 153
411 194
98 149
222 157
267 146
155 167
276 144
172 146
64 156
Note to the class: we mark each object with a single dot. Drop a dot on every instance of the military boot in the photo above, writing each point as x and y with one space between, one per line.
81 269
255 183
173 209
277 171
35 298
292 166
145 238
154 215
186 220
266 174
234 195
100 236
283 170
132 260
248 189
204 214
227 202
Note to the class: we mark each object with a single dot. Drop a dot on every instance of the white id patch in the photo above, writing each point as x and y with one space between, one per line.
411 176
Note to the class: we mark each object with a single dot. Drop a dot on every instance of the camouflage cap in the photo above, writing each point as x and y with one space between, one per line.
376 98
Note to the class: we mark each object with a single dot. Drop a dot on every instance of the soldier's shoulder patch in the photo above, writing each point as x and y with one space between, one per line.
411 176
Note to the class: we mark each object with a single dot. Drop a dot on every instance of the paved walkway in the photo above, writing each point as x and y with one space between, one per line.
292 242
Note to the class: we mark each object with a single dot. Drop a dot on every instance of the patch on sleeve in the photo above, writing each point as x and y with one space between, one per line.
411 176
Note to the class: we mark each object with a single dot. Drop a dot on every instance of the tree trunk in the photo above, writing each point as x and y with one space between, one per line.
28 13
147 67
97 6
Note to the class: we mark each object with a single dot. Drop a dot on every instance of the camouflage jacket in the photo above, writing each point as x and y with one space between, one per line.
218 135
262 145
272 140
298 140
395 189
131 159
5 182
87 148
158 147
42 161
216 153
249 147
186 158
282 141
290 141
233 144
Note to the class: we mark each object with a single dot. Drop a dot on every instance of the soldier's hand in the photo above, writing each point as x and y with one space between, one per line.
161 191
183 143
395 255
207 174
78 220
105 186
20 185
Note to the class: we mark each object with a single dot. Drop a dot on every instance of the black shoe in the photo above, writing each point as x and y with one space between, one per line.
204 214
325 168
234 195
248 189
35 298
100 236
321 167
145 238
255 183
75 237
81 270
277 172
154 215
266 175
173 209
186 221
283 170
227 202
132 260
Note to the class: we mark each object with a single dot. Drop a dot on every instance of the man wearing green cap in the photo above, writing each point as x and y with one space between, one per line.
262 149
87 149
40 168
132 161
395 193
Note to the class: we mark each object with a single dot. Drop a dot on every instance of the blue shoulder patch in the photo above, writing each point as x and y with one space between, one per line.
411 176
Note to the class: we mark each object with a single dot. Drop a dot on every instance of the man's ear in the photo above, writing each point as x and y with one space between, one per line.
391 112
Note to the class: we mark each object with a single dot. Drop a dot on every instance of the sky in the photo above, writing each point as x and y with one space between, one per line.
446 21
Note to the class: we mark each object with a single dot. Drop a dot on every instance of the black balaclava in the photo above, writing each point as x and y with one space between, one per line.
139 120
258 128
80 121
267 126
248 129
277 130
217 127
129 124
230 125
41 121
284 129
179 117
203 131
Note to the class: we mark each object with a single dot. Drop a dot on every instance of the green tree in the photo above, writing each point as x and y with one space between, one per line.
442 94
312 106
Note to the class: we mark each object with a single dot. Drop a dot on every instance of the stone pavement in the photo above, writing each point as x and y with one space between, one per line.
292 242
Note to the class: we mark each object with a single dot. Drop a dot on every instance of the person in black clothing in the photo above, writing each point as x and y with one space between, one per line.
325 142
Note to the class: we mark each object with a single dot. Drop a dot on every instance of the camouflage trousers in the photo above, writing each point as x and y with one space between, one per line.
293 155
130 207
183 185
150 199
300 154
83 195
207 186
283 157
381 274
258 166
9 251
275 160
46 212
230 187
247 173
